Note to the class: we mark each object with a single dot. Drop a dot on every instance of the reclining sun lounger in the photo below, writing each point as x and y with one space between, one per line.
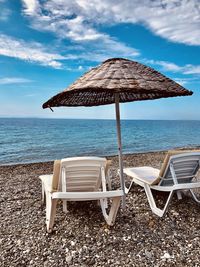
178 173
79 179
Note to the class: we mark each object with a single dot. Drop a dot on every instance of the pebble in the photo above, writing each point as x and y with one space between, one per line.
68 258
81 237
148 254
72 243
166 256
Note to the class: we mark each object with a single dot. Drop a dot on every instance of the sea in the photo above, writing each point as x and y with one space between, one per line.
27 140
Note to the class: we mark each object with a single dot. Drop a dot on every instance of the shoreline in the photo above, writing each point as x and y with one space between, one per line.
81 237
106 156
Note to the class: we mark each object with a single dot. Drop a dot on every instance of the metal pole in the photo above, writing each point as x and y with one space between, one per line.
120 147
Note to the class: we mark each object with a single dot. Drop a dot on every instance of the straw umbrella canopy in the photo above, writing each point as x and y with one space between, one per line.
117 80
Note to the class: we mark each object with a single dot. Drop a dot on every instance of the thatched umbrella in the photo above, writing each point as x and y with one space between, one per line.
117 80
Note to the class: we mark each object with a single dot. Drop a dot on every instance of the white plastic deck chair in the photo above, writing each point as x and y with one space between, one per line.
178 173
79 179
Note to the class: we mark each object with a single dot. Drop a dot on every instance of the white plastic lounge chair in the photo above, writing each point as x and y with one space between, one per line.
79 179
178 173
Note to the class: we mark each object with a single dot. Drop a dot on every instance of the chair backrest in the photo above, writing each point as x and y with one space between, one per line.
180 167
56 175
80 174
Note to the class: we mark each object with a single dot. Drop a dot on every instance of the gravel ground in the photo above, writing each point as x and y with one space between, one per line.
81 237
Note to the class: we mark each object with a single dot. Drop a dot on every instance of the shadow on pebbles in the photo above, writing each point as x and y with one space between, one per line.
81 237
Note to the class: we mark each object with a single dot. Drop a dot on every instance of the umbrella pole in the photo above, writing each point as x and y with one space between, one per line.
120 147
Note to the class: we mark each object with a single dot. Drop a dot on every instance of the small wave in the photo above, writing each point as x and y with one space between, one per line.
44 140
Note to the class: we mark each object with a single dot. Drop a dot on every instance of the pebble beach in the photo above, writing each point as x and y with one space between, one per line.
81 237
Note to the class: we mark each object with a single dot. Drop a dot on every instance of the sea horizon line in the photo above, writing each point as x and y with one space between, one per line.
103 119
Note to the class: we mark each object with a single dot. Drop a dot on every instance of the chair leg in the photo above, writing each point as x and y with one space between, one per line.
194 196
108 180
43 193
65 210
50 212
154 208
110 218
179 195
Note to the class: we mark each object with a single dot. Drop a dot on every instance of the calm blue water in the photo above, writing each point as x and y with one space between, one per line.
34 140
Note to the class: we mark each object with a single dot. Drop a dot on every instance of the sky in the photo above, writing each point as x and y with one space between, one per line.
47 45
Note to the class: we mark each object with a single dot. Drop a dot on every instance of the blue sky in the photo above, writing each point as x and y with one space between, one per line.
46 45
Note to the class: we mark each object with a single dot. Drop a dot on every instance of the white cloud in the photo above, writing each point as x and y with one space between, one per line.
183 81
69 19
5 12
35 52
14 80
169 66
29 51
103 50
172 67
30 95
31 6
175 20
191 69
165 65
